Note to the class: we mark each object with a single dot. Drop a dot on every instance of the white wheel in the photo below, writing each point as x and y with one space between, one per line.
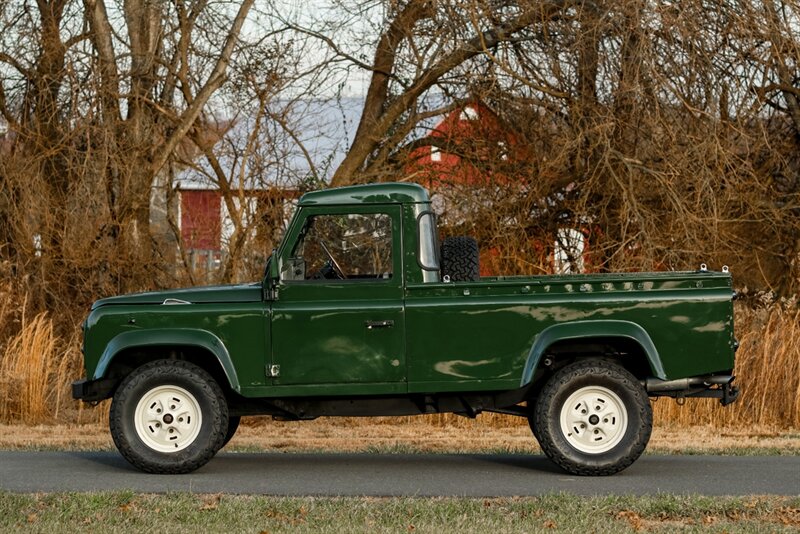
168 418
593 419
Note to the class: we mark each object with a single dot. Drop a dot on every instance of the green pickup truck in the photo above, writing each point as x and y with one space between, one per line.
361 312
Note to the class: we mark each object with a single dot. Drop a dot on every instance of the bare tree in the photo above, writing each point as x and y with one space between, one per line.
99 97
667 122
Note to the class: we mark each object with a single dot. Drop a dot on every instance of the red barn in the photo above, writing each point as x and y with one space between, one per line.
465 150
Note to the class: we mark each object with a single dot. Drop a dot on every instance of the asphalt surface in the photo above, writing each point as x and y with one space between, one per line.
473 475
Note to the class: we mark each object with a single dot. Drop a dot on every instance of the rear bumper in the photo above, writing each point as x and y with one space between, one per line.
93 390
716 387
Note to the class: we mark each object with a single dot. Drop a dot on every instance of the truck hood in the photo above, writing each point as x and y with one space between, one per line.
192 295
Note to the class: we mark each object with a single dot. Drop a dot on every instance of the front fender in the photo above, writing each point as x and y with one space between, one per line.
166 337
591 329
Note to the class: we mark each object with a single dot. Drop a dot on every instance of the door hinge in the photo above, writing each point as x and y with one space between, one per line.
273 371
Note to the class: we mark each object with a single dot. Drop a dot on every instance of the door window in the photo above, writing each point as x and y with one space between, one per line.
344 246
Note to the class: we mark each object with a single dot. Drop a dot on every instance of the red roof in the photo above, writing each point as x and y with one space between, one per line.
468 147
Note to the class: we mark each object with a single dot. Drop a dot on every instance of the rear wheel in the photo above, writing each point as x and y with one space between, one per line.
169 416
592 418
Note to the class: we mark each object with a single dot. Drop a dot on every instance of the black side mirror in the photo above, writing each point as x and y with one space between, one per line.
268 267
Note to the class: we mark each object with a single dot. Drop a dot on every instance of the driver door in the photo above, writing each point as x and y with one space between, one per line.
339 317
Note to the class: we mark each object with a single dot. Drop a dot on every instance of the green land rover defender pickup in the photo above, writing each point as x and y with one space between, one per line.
361 312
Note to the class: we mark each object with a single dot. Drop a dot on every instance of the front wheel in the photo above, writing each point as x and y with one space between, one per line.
169 416
592 417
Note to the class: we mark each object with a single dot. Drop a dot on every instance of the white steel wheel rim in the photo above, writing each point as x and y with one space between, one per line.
168 418
593 419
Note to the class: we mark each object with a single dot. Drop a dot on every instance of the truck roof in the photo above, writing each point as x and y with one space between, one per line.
383 193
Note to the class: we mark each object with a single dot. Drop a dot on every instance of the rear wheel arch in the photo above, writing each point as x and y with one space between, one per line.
624 342
624 351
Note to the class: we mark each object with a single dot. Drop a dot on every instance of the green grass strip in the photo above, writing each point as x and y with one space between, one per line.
191 513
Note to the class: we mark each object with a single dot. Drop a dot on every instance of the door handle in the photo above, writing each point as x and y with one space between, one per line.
378 324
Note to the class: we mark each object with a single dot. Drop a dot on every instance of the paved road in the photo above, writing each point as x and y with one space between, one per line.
400 474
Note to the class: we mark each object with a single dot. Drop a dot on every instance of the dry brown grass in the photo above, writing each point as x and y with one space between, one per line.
415 434
36 369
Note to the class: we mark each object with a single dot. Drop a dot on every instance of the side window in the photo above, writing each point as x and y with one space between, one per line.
428 243
344 246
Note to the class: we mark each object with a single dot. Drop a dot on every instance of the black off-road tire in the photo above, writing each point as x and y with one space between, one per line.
158 376
233 425
596 385
460 259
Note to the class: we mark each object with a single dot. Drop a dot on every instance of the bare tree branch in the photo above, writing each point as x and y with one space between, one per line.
213 83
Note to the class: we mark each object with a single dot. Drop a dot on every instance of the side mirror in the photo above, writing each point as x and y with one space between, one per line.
274 273
271 268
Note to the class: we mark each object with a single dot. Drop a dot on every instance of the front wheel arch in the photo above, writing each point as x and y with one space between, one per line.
127 360
129 350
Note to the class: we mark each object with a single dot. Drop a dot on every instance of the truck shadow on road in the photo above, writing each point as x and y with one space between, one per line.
240 463
532 462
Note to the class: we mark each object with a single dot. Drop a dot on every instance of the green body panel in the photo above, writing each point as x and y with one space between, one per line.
314 345
481 335
194 295
488 335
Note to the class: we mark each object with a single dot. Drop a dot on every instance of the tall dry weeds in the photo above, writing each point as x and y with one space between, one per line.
28 372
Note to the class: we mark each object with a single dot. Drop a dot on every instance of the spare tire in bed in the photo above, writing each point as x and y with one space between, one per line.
460 259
